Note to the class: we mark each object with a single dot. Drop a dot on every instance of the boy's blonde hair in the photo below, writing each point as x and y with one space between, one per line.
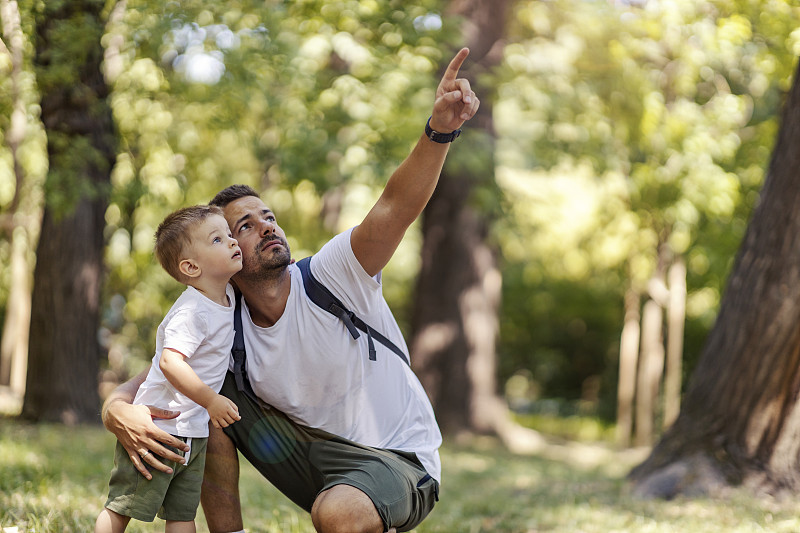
173 236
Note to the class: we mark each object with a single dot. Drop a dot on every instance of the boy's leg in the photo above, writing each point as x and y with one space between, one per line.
110 522
220 493
174 526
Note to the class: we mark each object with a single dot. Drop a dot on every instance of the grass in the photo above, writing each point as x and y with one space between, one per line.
53 479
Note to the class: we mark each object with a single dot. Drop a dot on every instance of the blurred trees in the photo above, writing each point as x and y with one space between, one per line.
457 297
625 137
314 103
19 214
64 352
740 420
654 120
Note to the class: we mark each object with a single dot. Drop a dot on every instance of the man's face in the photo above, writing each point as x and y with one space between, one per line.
265 252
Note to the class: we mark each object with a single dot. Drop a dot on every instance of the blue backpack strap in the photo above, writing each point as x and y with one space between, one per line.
240 355
238 351
324 299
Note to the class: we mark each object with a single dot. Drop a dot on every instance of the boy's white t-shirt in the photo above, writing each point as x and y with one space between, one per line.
201 330
308 366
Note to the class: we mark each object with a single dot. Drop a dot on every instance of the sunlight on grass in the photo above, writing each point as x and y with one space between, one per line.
54 479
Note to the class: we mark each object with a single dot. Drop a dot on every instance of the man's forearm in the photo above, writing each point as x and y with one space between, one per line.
125 392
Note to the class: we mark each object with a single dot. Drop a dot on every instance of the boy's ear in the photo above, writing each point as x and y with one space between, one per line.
189 268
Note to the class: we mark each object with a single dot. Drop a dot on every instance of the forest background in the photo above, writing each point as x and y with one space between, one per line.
607 183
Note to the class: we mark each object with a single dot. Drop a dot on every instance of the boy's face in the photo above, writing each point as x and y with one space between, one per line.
214 250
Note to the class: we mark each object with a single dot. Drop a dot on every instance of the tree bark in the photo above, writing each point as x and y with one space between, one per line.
628 362
676 316
455 320
651 364
740 422
64 349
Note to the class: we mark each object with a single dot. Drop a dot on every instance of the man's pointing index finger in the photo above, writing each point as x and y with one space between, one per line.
452 69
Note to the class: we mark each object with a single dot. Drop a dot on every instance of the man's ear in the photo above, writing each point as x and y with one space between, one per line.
189 268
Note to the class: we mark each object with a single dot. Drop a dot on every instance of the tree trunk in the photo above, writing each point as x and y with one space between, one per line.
628 362
651 363
740 421
676 316
64 350
455 319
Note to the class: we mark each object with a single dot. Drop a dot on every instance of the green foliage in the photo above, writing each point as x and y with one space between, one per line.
652 124
313 102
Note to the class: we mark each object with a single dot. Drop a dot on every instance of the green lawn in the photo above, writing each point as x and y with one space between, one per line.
53 479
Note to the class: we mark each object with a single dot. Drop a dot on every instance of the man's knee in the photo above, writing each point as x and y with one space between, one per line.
343 508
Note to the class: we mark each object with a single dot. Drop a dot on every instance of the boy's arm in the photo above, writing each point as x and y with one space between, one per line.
133 426
223 411
410 187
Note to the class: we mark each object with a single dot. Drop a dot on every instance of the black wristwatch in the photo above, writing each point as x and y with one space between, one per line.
437 137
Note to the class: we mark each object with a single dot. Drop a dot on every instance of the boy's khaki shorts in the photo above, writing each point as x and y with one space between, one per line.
170 496
301 462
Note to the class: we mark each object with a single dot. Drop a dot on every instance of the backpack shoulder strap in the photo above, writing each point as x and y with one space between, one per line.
239 355
324 299
238 350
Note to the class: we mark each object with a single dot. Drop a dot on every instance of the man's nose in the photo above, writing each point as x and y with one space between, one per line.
267 227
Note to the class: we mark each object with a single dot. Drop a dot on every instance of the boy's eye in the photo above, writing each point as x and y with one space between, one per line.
217 239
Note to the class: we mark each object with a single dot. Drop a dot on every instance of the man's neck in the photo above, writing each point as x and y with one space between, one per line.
266 298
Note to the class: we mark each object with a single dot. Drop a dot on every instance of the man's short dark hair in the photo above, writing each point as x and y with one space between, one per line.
234 192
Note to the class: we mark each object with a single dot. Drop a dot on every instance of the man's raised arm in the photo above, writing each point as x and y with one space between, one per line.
412 184
133 426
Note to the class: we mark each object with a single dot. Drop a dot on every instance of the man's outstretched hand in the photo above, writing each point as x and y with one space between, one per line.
455 101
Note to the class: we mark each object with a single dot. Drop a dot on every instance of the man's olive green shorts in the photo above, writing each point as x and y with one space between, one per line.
301 462
170 496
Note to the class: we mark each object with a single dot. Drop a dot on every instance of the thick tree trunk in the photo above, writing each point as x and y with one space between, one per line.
455 320
740 421
64 349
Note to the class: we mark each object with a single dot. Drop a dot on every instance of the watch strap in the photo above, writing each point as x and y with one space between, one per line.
437 137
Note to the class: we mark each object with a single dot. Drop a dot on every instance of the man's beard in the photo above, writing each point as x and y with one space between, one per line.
267 264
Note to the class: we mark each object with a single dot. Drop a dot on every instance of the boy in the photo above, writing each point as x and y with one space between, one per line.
193 343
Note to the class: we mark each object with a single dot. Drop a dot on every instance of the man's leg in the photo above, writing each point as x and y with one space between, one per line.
220 493
345 509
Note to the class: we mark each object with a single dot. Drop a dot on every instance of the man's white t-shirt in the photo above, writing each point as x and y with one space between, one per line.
201 330
308 366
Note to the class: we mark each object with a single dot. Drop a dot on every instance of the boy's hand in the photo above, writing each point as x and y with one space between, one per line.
222 411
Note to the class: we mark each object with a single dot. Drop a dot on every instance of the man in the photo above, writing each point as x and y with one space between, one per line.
347 434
